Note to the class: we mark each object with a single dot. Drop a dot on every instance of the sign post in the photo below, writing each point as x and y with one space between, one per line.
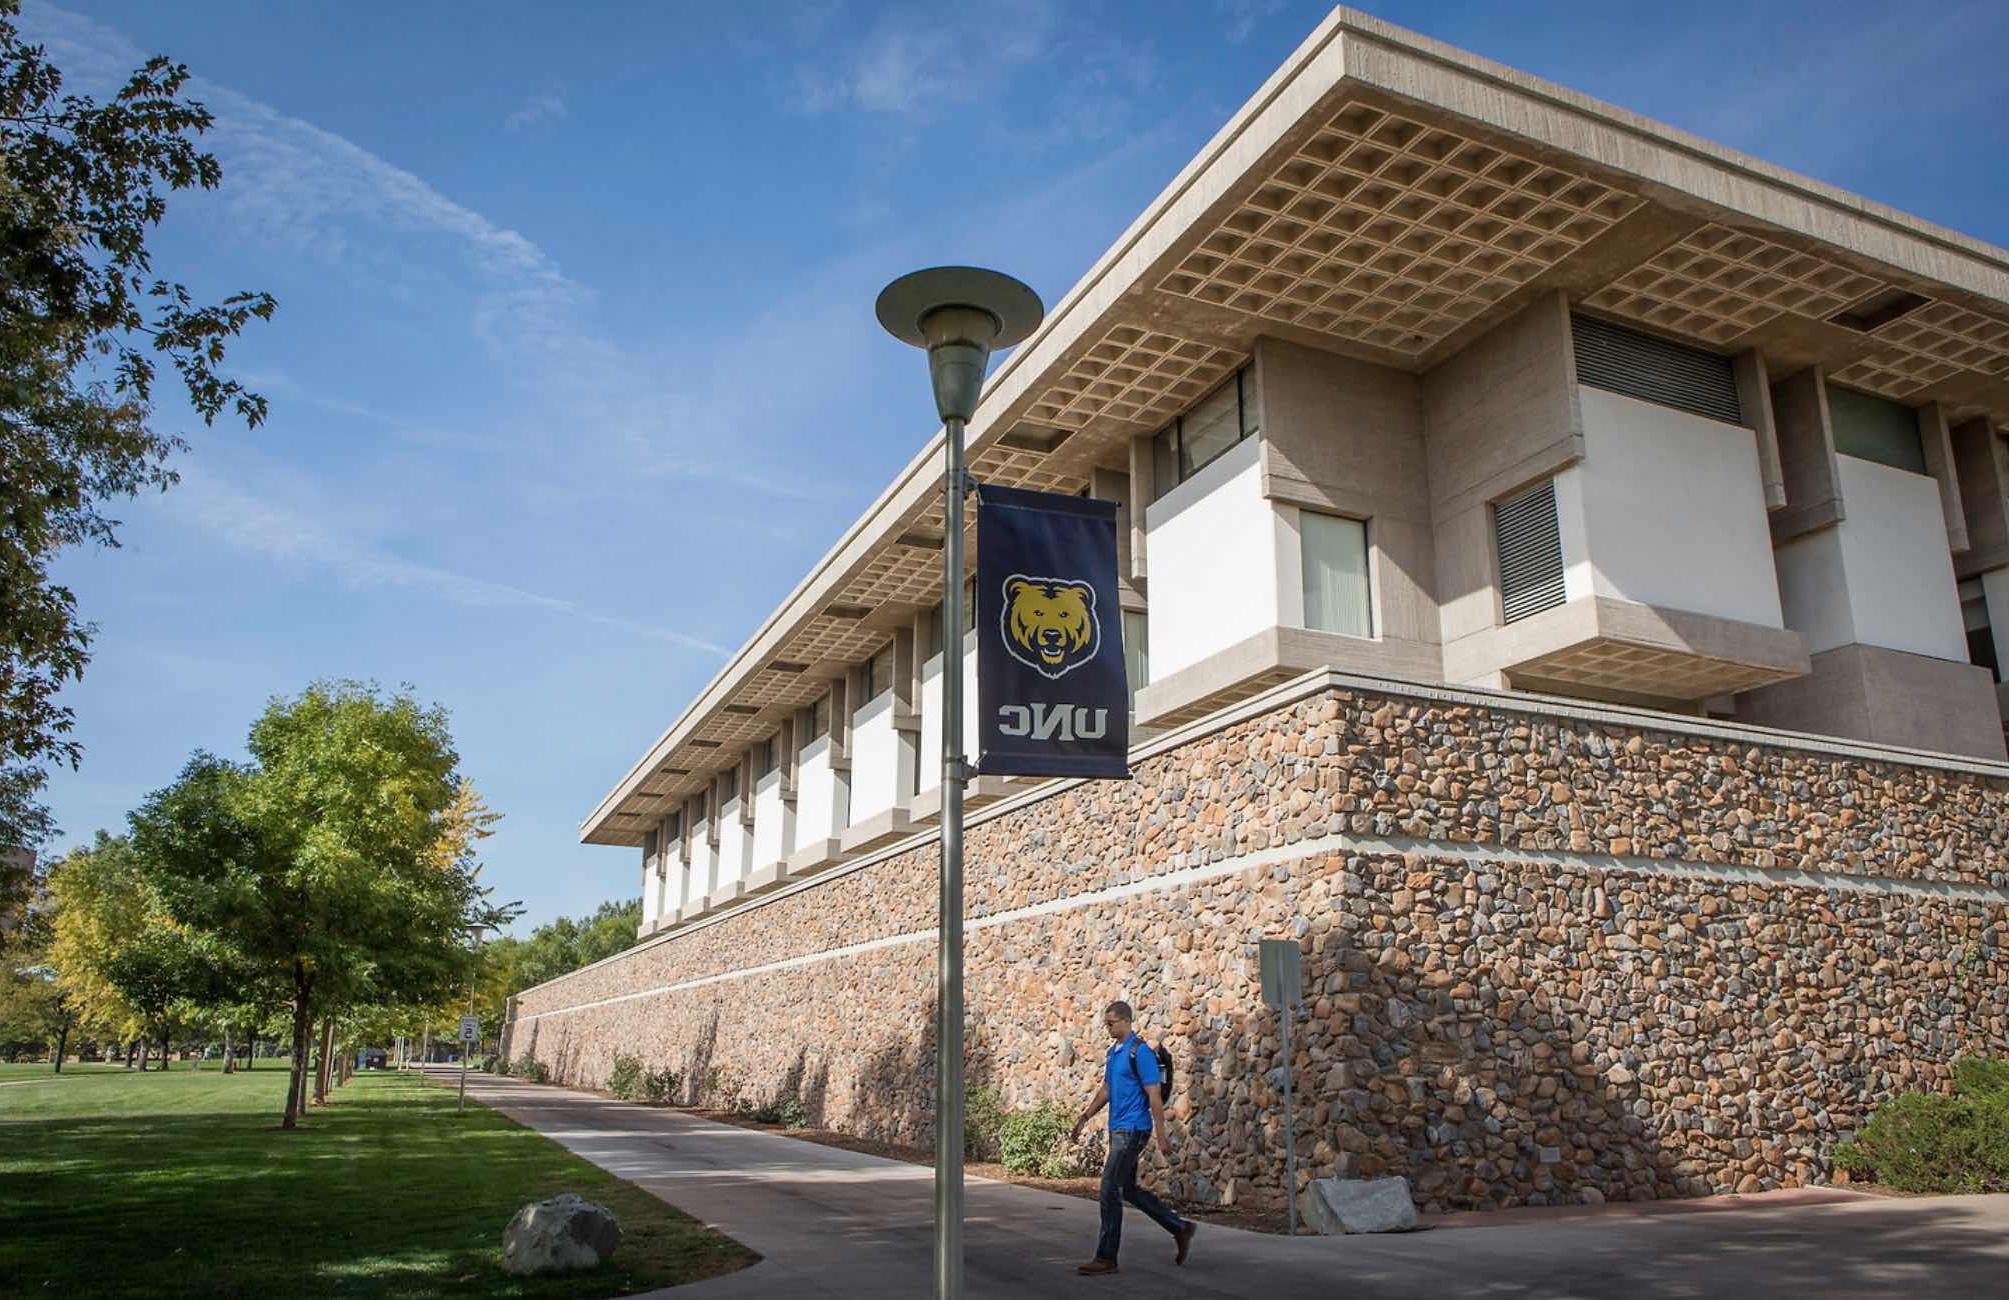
470 1034
1283 988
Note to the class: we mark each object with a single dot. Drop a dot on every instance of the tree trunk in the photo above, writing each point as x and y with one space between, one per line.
251 1050
62 1044
163 1046
132 1050
296 1085
146 1050
229 1052
322 1075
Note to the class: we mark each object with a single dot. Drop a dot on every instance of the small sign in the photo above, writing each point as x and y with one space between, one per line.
470 1029
1283 981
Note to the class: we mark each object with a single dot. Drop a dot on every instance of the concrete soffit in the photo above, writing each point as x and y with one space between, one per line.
1389 198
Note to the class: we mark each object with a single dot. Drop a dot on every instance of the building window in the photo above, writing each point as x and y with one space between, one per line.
1980 632
763 756
934 644
878 674
728 785
1136 649
1528 540
1653 369
819 718
1335 574
651 845
673 827
1870 428
1217 422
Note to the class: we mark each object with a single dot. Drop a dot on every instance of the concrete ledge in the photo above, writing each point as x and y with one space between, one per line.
1270 658
1889 696
725 894
815 856
884 828
762 879
926 807
1625 652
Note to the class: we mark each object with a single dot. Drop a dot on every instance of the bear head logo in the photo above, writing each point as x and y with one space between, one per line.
1050 624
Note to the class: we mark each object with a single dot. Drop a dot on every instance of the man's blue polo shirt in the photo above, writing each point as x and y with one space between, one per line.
1128 1106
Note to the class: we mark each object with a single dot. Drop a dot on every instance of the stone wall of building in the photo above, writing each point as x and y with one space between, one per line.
1548 956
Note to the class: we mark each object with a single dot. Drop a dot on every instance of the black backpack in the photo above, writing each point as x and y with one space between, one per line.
1164 1069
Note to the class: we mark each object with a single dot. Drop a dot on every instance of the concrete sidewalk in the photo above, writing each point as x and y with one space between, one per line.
837 1223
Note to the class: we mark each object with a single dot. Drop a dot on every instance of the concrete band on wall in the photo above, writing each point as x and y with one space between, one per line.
1548 958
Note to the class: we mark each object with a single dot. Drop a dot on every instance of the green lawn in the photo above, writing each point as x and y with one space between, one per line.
179 1184
43 1070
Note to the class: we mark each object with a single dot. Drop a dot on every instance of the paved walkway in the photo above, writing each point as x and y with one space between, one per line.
837 1223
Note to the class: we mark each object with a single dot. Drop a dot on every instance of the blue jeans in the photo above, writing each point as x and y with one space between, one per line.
1119 1184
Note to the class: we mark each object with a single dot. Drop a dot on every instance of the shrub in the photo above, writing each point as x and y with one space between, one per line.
1977 1076
1035 1142
659 1086
488 1063
532 1069
625 1081
788 1111
983 1113
1926 1142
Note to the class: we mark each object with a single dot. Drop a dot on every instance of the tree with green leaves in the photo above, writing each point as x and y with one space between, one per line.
85 320
36 1011
318 865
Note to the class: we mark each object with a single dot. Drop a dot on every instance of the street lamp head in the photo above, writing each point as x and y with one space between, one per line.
959 314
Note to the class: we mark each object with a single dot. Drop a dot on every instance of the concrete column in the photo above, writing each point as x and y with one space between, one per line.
1754 394
1940 463
1143 491
1806 456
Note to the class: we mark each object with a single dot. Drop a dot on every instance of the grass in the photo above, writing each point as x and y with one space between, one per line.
179 1184
11 1071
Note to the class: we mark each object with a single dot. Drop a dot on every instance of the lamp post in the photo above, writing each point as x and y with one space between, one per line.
959 314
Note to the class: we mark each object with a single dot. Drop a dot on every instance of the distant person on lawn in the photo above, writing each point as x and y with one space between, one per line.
1134 1092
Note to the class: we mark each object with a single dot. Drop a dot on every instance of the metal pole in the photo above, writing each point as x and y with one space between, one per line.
1290 1124
949 953
464 1044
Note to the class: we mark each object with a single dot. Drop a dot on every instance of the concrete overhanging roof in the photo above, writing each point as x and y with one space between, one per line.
1387 197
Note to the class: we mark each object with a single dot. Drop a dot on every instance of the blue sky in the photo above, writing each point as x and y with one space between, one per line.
575 374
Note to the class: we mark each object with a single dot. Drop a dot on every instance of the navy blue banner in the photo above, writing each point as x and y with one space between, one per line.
1052 699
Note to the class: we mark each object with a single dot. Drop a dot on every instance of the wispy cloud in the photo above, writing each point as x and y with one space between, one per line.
1244 16
263 526
294 185
905 62
538 110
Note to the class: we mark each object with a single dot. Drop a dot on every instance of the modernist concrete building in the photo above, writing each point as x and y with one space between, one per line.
1429 370
1437 386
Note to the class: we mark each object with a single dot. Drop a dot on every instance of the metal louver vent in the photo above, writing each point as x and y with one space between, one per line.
1655 369
1530 546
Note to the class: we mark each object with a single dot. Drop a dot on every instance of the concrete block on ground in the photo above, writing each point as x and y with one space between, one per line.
1338 1205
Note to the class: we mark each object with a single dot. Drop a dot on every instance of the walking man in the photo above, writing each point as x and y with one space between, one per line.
1134 1092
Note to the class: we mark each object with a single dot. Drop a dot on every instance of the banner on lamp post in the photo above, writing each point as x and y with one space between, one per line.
1052 695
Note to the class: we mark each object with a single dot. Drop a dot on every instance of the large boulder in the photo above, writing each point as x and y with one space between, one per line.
560 1235
1335 1205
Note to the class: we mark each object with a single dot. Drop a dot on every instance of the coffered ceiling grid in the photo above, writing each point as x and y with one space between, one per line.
1395 233
1935 342
1719 284
1134 374
1646 670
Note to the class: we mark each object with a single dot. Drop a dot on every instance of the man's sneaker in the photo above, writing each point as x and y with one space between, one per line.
1097 1267
1185 1239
